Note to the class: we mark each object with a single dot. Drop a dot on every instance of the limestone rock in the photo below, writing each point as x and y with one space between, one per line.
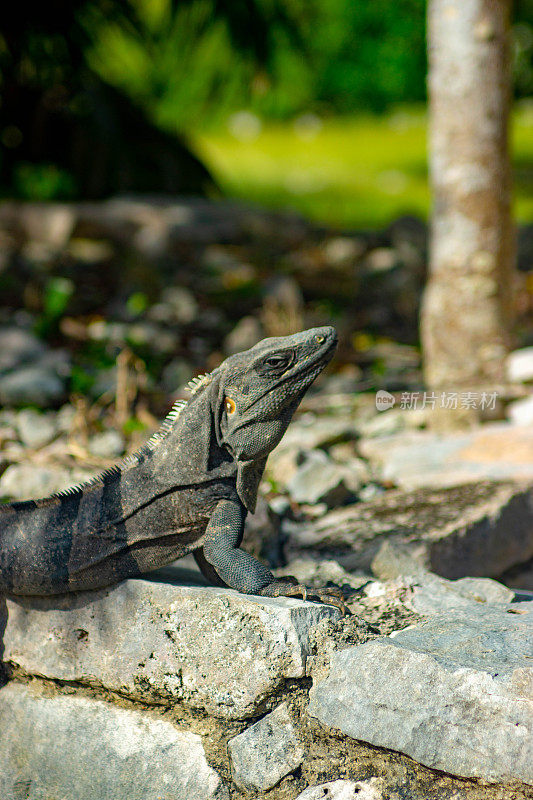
244 335
345 382
18 346
108 444
345 790
521 411
30 373
25 481
432 592
310 431
319 480
181 303
496 451
319 573
214 649
392 422
483 590
176 374
80 749
50 223
264 753
455 532
520 365
455 693
394 561
34 429
282 465
34 384
433 595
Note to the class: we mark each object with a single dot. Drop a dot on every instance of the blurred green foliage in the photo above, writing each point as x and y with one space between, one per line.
523 48
82 83
363 56
287 76
57 294
335 56
360 171
137 303
43 182
177 62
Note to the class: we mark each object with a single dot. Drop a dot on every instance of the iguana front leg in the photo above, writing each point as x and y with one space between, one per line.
239 570
234 567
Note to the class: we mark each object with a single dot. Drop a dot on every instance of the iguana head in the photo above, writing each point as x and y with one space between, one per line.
258 392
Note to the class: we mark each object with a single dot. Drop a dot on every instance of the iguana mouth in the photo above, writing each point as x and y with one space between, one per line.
330 344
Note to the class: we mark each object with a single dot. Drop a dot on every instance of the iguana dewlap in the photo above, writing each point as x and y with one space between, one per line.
187 490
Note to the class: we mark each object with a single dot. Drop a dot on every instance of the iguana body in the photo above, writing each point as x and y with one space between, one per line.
188 490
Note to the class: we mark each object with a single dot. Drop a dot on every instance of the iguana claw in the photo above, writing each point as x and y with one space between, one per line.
289 587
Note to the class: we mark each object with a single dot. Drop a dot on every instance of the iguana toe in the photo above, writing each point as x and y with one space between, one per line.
289 587
330 597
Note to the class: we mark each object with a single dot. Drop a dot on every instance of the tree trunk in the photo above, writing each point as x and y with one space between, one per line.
467 308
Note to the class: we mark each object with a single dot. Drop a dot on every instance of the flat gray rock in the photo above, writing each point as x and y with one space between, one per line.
32 384
211 648
309 432
30 373
27 481
18 346
432 594
34 429
492 452
108 444
74 748
319 480
455 693
264 753
472 530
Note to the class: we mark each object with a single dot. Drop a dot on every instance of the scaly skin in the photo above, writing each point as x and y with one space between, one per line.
188 490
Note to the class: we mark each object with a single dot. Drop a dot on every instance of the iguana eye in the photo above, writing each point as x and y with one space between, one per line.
276 361
230 405
275 364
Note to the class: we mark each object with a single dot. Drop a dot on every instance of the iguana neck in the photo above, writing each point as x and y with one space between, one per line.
189 451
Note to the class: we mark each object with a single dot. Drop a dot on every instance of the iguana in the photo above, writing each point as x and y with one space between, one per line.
187 490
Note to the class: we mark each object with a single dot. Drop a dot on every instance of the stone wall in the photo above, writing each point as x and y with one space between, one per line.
166 688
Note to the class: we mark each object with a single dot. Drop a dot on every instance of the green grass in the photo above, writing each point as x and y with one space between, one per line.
360 172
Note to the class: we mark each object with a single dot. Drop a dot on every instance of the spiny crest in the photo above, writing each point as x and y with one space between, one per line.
197 383
164 428
136 458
